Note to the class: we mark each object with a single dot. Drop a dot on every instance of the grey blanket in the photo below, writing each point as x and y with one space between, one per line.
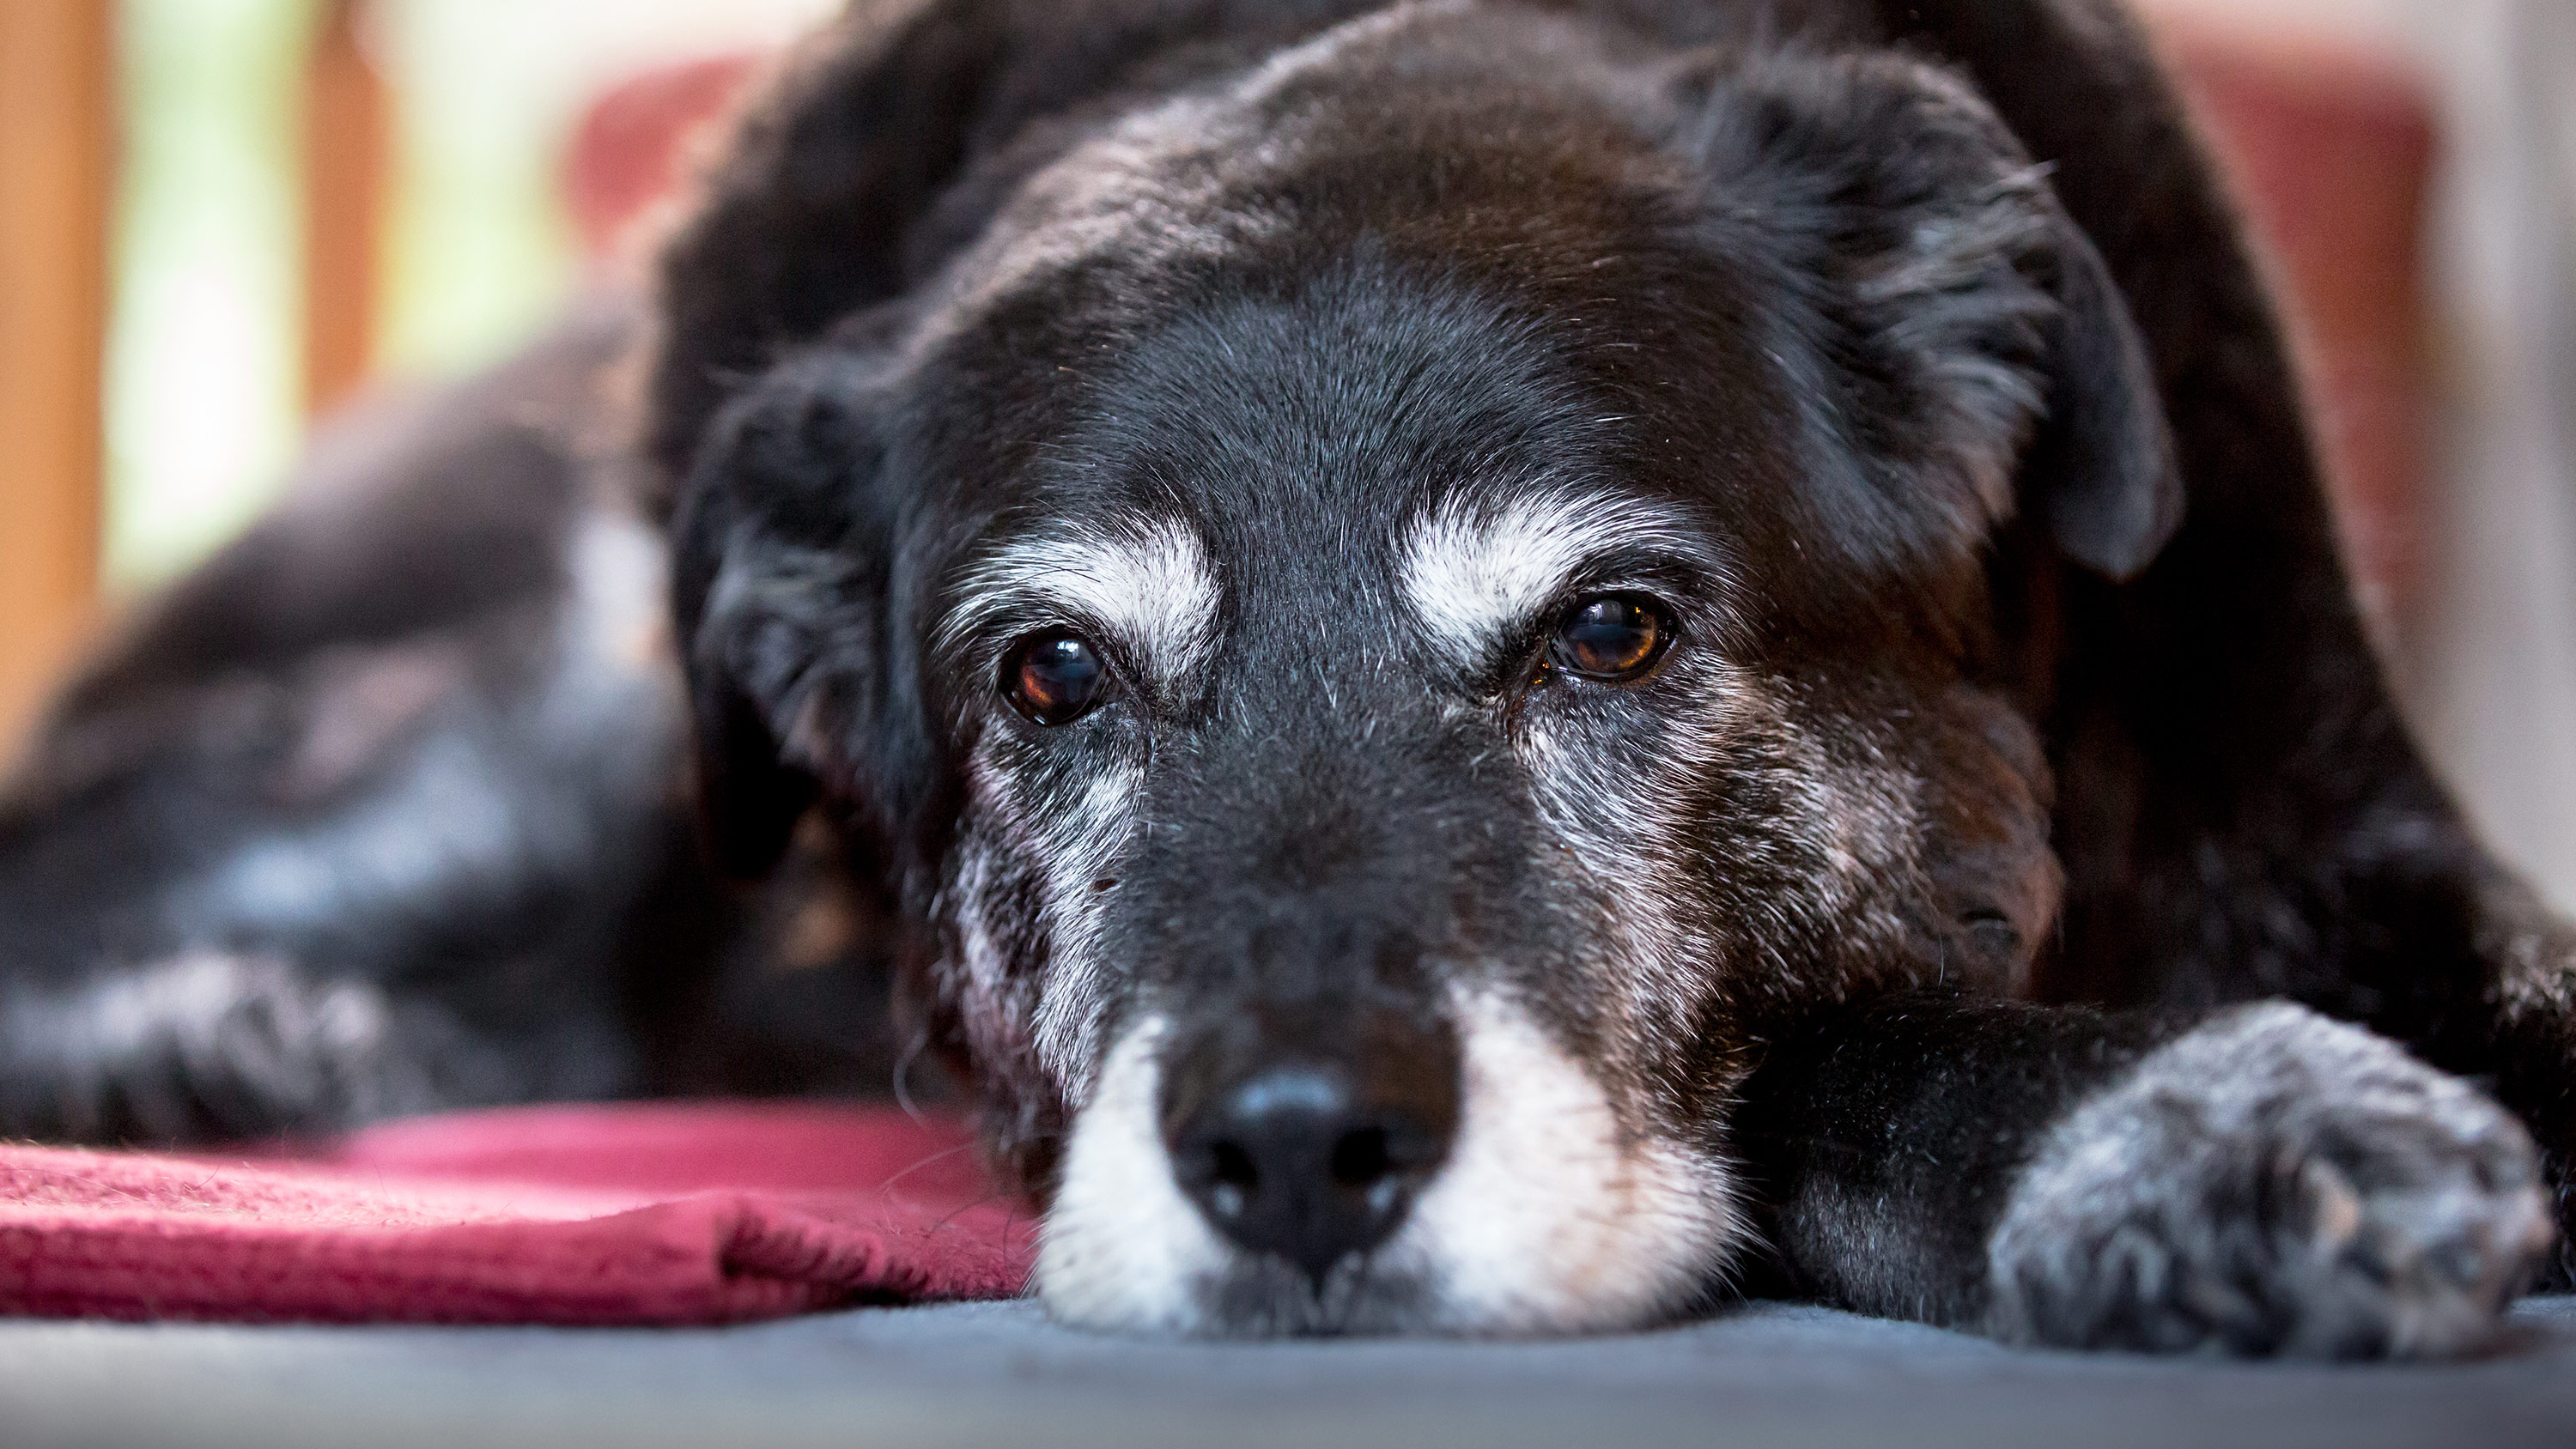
1767 1374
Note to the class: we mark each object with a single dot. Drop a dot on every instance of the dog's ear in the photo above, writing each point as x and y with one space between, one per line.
803 216
776 589
2103 465
1970 322
749 799
801 219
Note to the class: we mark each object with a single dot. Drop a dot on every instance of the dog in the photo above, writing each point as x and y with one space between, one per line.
1486 666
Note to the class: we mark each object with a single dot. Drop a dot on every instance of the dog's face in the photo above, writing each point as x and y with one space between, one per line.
1388 619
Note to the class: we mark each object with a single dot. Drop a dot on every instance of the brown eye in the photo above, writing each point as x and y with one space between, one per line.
1611 637
1054 679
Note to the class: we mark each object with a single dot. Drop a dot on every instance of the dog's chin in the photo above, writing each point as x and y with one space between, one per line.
1547 1218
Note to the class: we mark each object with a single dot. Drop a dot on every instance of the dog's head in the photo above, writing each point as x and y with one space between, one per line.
1388 613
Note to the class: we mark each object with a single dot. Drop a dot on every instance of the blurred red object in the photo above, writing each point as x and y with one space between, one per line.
635 1213
2329 145
632 146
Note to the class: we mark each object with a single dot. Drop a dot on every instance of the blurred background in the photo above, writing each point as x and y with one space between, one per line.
220 219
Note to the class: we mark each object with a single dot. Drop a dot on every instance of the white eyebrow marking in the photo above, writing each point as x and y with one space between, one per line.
1144 582
1476 569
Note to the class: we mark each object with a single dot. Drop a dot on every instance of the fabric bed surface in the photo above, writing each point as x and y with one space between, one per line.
695 1216
588 1215
1000 1374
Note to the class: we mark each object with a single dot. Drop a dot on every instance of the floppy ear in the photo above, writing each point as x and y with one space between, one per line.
776 589
801 220
748 800
749 797
2102 468
1970 322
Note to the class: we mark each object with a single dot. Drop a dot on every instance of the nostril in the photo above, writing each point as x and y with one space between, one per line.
1233 1180
1311 1158
1360 1158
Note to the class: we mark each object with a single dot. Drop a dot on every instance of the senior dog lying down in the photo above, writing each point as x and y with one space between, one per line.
1484 667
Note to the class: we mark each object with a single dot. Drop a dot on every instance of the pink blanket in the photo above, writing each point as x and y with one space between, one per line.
644 1214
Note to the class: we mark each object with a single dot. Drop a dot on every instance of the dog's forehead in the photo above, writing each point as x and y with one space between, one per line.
1364 459
1367 407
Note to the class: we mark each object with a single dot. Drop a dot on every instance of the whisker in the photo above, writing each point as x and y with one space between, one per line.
941 1155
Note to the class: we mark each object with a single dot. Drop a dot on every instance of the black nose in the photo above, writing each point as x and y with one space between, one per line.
1308 1140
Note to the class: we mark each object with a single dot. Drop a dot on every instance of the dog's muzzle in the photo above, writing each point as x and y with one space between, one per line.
1305 1133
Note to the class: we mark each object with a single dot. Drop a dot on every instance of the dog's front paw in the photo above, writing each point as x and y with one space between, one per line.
2273 1183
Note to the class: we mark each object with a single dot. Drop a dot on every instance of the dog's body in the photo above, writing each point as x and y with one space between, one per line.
1480 663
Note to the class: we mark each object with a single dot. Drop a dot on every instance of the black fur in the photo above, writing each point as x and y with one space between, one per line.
1926 320
479 885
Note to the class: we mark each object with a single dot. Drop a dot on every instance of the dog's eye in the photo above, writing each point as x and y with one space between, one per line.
1611 637
1054 679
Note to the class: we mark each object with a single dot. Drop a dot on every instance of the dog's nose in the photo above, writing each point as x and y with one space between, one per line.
1312 1158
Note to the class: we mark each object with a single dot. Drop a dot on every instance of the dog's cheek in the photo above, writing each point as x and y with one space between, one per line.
1585 1190
1744 855
1027 886
1818 848
1619 792
1744 841
989 921
1552 1215
1862 825
1659 831
1065 827
1122 1249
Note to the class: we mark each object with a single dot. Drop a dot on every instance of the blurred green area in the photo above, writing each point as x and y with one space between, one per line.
203 386
201 374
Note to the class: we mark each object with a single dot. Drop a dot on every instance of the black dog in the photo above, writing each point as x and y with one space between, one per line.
1479 663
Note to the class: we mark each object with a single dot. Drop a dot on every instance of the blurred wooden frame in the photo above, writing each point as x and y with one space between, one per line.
348 149
57 181
58 129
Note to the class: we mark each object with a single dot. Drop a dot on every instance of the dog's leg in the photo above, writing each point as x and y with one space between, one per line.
2528 955
209 1044
2265 1181
372 812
